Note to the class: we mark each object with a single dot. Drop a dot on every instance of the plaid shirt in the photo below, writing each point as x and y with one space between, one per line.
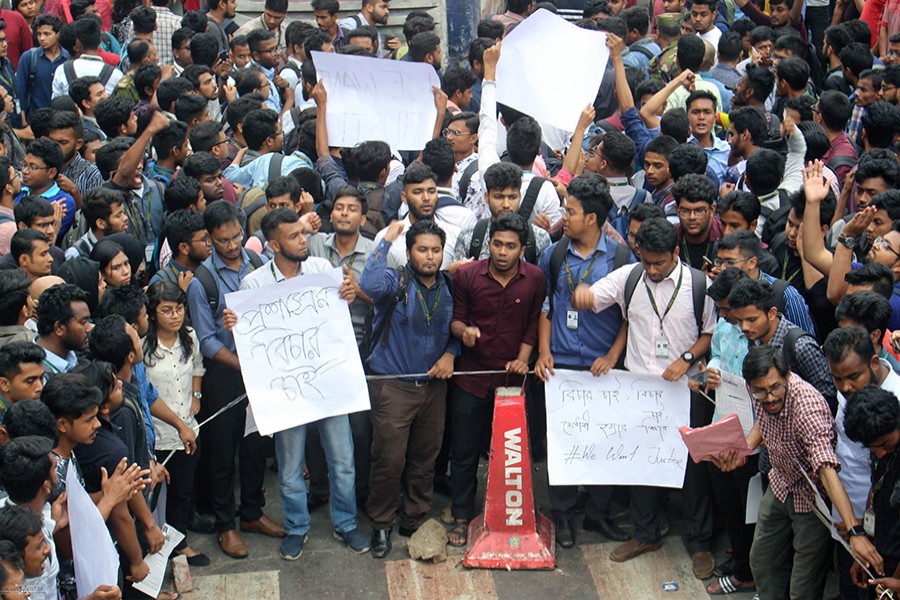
854 125
166 24
802 431
810 360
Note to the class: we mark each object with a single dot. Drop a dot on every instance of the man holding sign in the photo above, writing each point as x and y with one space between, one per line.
284 233
670 322
795 424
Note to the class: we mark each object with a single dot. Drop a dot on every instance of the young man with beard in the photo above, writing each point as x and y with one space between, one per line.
854 364
666 342
227 265
592 342
220 11
373 13
794 423
699 229
485 292
411 334
190 244
104 212
77 175
63 322
284 232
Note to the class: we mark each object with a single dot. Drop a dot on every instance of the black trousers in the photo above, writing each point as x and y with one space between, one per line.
223 438
471 418
182 468
563 499
730 490
646 502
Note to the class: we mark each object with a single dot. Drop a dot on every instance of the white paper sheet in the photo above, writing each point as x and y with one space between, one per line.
152 584
96 559
732 397
618 429
299 358
754 497
376 99
551 69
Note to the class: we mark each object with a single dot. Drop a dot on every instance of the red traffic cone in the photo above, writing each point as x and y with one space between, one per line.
510 533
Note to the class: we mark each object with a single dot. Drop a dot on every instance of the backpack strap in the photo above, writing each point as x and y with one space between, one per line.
255 260
839 161
32 76
631 284
640 196
275 165
105 73
531 247
167 274
789 345
778 288
530 198
623 256
641 49
465 179
556 260
478 236
69 71
698 291
210 287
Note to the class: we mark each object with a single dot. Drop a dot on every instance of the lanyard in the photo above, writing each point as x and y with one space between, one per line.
52 366
671 300
784 269
429 314
584 273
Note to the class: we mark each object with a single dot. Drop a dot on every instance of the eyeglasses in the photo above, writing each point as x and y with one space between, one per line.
171 312
27 167
591 152
883 244
232 240
448 133
687 212
205 240
728 262
777 392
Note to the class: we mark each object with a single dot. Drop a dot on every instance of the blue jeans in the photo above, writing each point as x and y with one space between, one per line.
337 441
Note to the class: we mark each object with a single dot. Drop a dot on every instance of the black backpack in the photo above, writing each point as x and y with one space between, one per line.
69 71
698 289
211 288
465 179
777 218
622 258
479 234
789 346
530 198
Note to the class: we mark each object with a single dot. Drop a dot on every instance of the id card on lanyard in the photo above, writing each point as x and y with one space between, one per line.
662 344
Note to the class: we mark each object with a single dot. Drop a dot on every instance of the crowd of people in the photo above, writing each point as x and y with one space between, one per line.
729 203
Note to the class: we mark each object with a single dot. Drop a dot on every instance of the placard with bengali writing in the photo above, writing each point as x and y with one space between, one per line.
617 429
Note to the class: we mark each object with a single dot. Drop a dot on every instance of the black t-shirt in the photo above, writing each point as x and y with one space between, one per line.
789 268
130 421
885 477
107 451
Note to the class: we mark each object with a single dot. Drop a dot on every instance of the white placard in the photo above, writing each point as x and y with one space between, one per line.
376 99
152 583
96 559
550 69
617 429
299 358
732 397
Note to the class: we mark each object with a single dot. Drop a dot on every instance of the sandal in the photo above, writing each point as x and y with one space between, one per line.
459 533
727 586
168 595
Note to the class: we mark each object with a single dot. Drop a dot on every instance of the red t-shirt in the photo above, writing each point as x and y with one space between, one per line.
19 35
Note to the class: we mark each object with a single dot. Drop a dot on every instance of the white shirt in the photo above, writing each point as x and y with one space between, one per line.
43 587
269 274
712 36
452 219
87 65
173 378
643 324
856 460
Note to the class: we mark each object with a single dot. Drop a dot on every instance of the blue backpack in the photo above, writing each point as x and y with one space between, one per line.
623 218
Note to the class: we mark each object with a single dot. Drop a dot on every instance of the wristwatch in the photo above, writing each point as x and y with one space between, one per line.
198 395
688 357
856 530
847 241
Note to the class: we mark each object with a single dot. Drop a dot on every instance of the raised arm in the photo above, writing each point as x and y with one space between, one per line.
816 189
657 102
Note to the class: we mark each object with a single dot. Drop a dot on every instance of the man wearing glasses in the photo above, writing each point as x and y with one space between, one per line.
699 230
794 423
742 249
264 50
462 131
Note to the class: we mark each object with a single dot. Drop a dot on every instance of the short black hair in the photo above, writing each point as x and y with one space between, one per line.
752 120
480 44
618 150
69 395
181 225
25 466
126 300
218 214
856 58
457 79
867 309
18 524
30 417
662 145
438 155
745 241
108 341
417 173
523 141
869 168
55 306
13 296
422 44
189 107
15 354
170 90
48 151
878 276
512 222
172 136
835 109
195 20
112 113
182 193
274 218
656 235
637 18
259 125
826 208
182 35
644 211
98 204
731 44
690 51
871 413
61 120
744 203
30 208
817 143
204 136
417 24
675 124
592 191
23 240
687 158
489 29
760 360
47 20
284 185
144 78
805 105
751 292
724 282
761 80
695 188
881 123
204 49
143 18
793 71
764 172
425 227
702 95
199 164
889 201
501 176
368 159
315 41
844 340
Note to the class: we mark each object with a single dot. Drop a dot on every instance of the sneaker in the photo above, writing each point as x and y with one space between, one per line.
292 546
356 541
